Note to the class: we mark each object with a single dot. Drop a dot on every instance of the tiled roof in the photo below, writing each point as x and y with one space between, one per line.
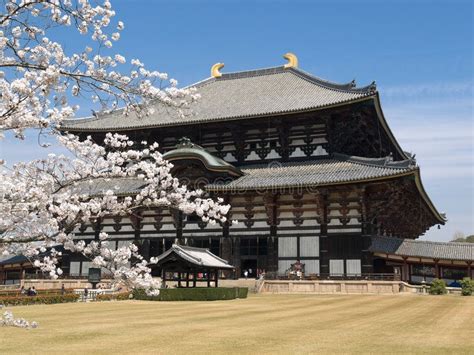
21 259
17 259
338 169
238 95
198 256
423 249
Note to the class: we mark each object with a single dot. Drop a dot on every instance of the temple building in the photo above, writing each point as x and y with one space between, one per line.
310 167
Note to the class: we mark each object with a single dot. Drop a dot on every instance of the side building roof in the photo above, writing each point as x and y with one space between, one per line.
423 249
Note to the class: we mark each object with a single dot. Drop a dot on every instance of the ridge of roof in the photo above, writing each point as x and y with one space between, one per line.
405 240
385 162
347 87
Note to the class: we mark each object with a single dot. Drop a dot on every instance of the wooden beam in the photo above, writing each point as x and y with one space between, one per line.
437 268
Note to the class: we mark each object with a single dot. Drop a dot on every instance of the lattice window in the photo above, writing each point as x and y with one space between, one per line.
353 267
311 266
284 265
336 267
75 268
287 247
309 246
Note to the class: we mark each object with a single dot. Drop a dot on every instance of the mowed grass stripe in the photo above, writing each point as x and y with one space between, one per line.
260 324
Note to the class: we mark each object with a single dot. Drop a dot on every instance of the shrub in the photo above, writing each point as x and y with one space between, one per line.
122 296
40 299
438 287
467 287
194 294
242 292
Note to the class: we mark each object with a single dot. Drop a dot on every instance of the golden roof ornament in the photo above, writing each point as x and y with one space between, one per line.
215 73
292 60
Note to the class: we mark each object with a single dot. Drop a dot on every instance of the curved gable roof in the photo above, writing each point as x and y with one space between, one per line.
187 150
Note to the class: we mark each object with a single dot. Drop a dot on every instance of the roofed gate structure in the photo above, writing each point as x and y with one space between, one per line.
188 263
310 168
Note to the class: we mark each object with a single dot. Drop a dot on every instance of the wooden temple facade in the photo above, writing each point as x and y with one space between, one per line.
310 168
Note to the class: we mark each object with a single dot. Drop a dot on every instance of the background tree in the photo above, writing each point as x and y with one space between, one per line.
458 236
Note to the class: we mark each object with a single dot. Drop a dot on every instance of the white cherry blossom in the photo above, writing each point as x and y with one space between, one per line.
43 201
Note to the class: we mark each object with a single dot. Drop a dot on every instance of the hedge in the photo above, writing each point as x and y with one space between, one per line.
194 294
40 299
122 296
17 292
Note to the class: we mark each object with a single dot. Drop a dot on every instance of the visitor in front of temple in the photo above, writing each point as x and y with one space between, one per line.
32 291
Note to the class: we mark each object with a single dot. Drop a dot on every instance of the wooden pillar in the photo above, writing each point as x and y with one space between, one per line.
367 256
437 268
469 270
187 279
226 247
179 228
179 279
163 278
236 256
272 251
208 278
321 200
217 277
271 208
405 271
194 279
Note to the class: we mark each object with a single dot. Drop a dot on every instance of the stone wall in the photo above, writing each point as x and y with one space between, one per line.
331 287
45 284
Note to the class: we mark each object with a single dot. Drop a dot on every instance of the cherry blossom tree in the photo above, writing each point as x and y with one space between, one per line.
38 78
43 201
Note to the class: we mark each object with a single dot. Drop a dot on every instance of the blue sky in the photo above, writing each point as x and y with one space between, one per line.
419 52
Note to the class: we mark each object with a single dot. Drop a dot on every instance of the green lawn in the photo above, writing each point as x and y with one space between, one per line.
259 324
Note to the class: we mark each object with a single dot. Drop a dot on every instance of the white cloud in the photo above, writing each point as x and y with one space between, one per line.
428 89
435 121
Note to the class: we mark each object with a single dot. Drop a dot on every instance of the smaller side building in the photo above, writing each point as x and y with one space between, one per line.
417 261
